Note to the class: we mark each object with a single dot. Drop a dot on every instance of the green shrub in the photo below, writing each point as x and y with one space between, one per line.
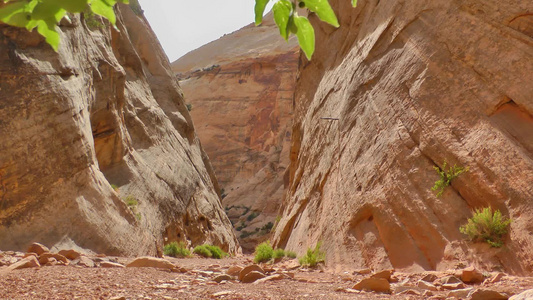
446 177
176 250
189 106
241 227
131 201
252 216
245 234
278 253
313 257
263 252
486 226
267 227
115 187
210 251
290 254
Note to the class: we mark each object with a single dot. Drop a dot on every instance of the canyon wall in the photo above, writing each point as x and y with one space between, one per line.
240 92
97 148
405 86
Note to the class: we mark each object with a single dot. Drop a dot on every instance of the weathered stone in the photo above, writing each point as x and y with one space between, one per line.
111 112
38 249
252 276
429 277
234 270
28 262
85 261
151 262
450 280
426 285
385 274
108 264
471 275
486 294
410 292
525 295
70 254
496 278
249 269
461 293
270 278
43 258
222 277
373 284
453 286
51 262
363 271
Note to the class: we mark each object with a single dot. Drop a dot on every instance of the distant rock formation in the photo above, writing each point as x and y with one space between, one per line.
239 90
413 84
97 149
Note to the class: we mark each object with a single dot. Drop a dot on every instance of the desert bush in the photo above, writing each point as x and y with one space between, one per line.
115 187
263 252
176 250
210 251
446 176
313 257
278 253
486 226
290 254
131 201
245 234
252 216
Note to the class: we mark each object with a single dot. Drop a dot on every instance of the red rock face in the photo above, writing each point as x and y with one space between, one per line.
413 84
240 88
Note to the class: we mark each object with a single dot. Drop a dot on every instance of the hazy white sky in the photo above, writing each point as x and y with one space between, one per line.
184 25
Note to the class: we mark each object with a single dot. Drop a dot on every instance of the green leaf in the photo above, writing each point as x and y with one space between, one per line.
354 3
102 8
259 10
48 11
15 14
49 32
305 34
73 6
323 10
282 12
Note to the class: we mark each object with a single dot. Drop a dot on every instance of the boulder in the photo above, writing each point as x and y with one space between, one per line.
151 262
37 249
380 285
471 275
249 269
43 258
70 254
486 294
234 270
28 262
222 277
460 293
85 261
252 276
271 278
385 274
525 295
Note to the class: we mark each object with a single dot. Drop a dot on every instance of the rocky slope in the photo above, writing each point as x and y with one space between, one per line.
414 84
240 89
97 149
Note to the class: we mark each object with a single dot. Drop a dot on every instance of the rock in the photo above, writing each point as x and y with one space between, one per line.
429 278
426 294
410 292
234 270
363 271
270 278
525 295
471 275
426 285
496 278
28 262
43 258
84 261
112 113
252 276
250 136
460 294
70 254
450 280
361 179
222 277
486 294
118 298
249 269
373 284
385 274
150 262
51 262
38 249
108 264
453 286
30 254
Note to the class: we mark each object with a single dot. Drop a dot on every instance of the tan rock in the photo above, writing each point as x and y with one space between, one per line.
426 285
429 277
30 254
43 258
460 294
51 262
234 270
385 274
525 295
150 262
453 286
496 278
38 249
28 262
363 271
373 284
108 264
270 278
486 294
252 276
410 292
112 112
222 277
471 275
450 280
70 254
249 269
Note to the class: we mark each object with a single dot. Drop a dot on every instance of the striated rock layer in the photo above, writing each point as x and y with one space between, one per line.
414 84
105 110
240 90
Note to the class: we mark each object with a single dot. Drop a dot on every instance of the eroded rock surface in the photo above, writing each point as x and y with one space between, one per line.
414 84
240 92
97 149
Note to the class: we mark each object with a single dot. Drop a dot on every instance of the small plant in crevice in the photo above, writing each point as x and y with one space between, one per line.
189 106
313 257
115 187
290 254
93 21
132 203
278 253
263 252
210 251
245 234
486 226
446 176
252 216
241 226
175 249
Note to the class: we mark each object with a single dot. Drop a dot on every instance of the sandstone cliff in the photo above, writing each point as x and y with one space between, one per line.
240 90
97 148
414 84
